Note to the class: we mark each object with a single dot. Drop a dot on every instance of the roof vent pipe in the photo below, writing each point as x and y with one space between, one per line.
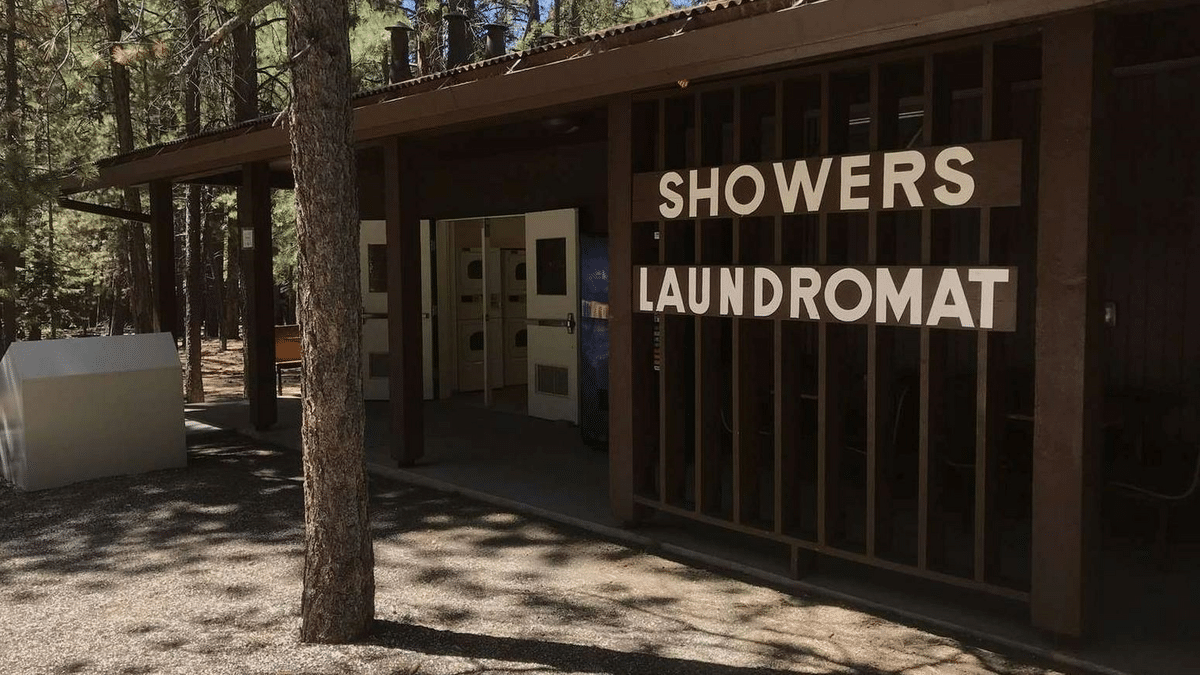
496 33
459 42
400 69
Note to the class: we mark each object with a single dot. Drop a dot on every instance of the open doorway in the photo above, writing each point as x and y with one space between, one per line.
500 312
507 330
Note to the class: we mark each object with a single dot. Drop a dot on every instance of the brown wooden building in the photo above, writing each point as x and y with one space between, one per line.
966 450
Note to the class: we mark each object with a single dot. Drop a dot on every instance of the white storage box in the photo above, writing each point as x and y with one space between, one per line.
73 410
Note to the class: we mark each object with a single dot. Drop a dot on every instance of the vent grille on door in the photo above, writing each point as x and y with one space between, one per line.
550 380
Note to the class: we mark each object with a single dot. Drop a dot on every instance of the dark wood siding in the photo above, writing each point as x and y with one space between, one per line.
567 176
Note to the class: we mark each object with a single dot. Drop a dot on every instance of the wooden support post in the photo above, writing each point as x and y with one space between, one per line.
254 219
829 394
405 357
787 381
878 365
709 397
162 258
886 392
989 394
930 530
630 338
676 367
744 382
1068 381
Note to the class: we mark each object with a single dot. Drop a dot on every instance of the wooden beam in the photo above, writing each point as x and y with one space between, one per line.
787 379
932 367
627 332
989 364
405 344
709 398
102 210
254 219
829 430
162 257
1069 321
676 341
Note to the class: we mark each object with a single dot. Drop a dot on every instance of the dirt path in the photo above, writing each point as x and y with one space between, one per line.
198 571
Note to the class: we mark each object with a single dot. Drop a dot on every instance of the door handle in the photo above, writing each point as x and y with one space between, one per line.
364 316
568 323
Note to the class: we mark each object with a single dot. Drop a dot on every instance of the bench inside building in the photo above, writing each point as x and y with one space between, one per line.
287 352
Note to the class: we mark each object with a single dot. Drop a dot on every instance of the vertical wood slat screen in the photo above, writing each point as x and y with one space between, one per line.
724 485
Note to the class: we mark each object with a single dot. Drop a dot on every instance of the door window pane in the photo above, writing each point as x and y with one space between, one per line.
377 271
551 261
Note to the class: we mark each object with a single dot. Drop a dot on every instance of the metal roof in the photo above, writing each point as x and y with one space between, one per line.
719 11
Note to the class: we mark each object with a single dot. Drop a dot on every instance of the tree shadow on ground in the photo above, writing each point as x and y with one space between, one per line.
478 569
565 657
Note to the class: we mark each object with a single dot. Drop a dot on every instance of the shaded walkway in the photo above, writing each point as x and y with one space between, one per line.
542 468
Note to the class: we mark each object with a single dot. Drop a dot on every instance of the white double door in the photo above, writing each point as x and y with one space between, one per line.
373 264
552 312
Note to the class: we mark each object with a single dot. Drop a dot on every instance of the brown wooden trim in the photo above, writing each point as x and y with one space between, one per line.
405 342
254 213
1076 71
162 256
816 547
102 210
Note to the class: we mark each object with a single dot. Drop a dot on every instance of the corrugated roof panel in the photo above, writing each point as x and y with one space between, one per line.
721 11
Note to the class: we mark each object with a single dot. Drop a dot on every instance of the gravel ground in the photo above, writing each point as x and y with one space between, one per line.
198 571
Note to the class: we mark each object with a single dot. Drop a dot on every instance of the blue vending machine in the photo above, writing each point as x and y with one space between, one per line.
593 340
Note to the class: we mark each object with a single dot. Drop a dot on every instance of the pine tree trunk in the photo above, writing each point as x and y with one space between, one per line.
245 73
214 276
535 17
193 282
136 269
429 38
232 309
193 289
338 604
8 248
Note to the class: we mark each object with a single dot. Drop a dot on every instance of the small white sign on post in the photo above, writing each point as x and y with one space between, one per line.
247 237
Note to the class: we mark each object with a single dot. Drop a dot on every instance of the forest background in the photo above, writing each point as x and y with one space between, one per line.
88 80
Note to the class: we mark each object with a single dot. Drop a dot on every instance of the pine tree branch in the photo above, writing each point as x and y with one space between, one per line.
247 11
